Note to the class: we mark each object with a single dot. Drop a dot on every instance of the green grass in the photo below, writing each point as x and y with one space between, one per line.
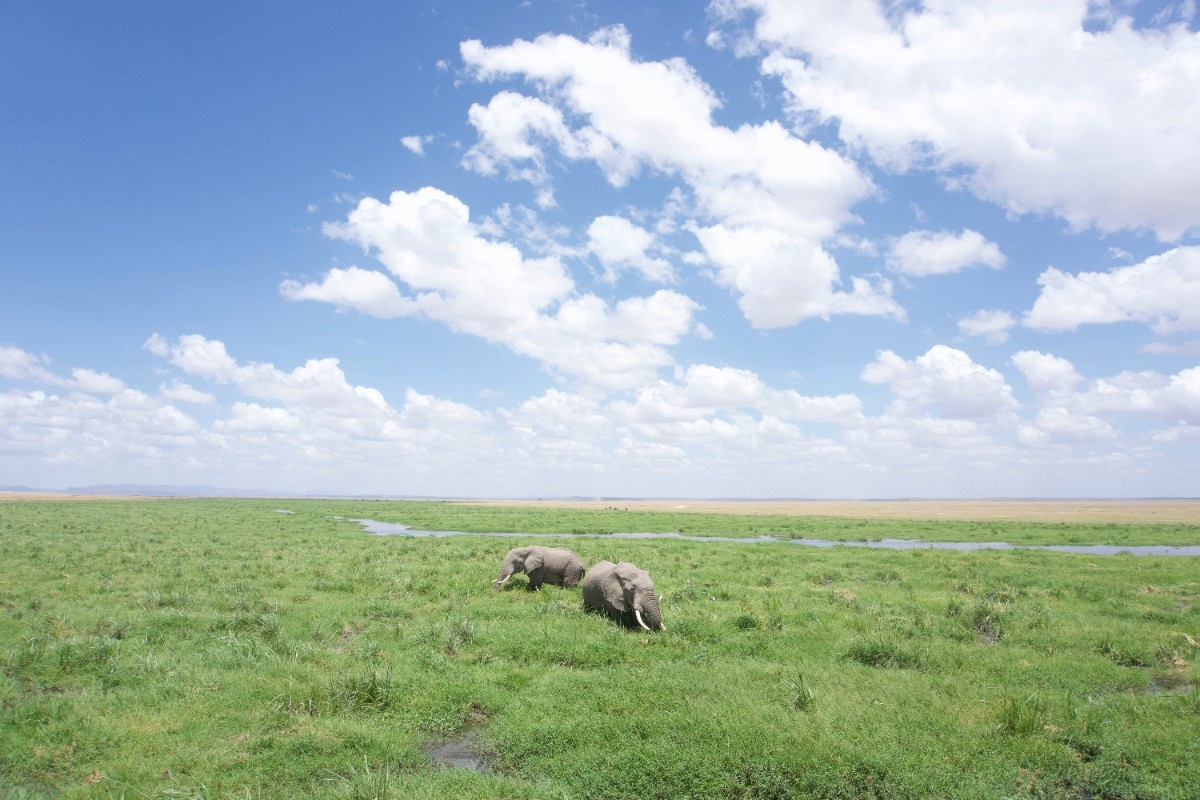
219 649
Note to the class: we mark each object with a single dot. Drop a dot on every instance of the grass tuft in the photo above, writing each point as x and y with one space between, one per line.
1022 716
364 784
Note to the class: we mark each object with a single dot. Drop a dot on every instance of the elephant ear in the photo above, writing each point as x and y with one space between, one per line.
534 560
618 590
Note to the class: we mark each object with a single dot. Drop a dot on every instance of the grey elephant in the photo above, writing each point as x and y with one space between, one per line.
554 565
622 591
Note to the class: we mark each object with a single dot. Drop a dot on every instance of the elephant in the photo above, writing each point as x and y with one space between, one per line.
554 565
622 591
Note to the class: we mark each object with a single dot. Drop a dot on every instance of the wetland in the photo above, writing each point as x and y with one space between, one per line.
220 649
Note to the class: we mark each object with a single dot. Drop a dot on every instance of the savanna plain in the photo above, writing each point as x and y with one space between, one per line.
212 648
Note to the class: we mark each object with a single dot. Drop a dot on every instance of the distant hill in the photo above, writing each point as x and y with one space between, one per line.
148 490
145 490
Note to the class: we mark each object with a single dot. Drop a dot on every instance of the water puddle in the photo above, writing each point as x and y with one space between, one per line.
462 752
377 528
1171 684
458 754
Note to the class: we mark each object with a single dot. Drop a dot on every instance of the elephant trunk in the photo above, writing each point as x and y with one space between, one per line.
645 609
505 573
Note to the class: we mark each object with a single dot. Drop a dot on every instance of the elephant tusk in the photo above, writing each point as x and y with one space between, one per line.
638 614
498 584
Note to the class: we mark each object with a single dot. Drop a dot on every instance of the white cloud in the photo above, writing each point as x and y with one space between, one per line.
1017 101
1163 292
1179 433
921 253
709 429
1060 426
562 431
319 385
1173 398
415 144
756 183
619 244
510 127
364 290
18 364
722 387
259 419
181 392
1045 372
303 425
485 287
992 324
425 238
783 279
433 413
943 380
1188 348
86 380
711 401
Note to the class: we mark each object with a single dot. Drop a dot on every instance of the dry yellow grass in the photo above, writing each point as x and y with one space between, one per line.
66 497
1127 511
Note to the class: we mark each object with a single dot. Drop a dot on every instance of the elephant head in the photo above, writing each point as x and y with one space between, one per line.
554 565
623 591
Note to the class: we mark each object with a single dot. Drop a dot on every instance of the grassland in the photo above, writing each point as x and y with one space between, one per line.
222 649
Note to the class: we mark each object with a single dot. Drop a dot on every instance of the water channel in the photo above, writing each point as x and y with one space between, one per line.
377 528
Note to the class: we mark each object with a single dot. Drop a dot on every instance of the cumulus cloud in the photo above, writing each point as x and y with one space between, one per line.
287 427
1172 398
415 144
712 401
716 426
260 419
1188 348
18 364
1061 426
364 290
754 184
619 244
1163 292
319 385
1045 372
320 408
1026 104
944 381
921 253
181 392
86 380
992 324
486 287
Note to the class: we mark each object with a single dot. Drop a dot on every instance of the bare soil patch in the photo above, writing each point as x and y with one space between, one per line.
1117 511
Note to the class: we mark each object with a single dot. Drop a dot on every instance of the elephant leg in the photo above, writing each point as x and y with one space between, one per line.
536 577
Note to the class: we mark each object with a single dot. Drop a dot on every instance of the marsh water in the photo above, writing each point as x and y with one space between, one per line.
377 528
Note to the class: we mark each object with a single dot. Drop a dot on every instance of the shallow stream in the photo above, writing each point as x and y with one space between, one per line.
378 528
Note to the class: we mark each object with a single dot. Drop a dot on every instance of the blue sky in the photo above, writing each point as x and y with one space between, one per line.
755 248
